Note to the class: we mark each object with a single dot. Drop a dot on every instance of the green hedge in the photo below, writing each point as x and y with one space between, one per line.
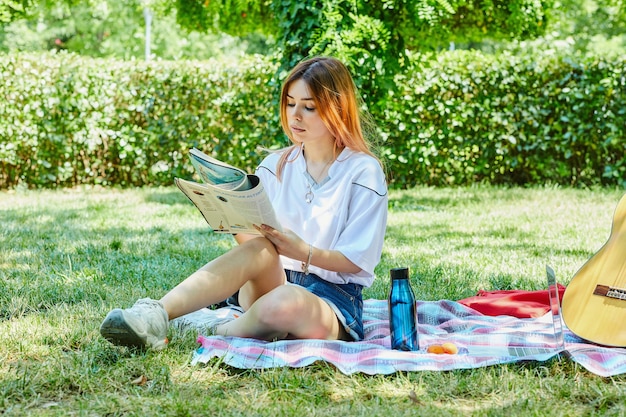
509 119
72 120
455 119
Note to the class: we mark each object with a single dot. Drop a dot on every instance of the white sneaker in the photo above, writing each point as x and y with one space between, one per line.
205 320
143 325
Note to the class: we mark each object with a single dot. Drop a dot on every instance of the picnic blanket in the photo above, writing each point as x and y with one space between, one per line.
482 341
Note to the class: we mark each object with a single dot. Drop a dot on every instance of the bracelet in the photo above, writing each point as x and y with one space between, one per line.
305 266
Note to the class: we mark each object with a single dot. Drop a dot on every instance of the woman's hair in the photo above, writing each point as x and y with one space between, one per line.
336 100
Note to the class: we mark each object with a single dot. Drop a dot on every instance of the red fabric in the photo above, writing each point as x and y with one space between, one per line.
517 303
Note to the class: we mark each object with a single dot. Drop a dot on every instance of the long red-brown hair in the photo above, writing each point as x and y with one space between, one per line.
334 94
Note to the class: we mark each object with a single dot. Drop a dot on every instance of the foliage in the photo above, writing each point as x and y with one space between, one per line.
467 20
530 116
114 29
14 9
237 17
365 33
75 120
588 18
11 10
593 25
360 32
516 118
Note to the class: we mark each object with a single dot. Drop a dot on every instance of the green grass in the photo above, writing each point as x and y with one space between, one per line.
67 257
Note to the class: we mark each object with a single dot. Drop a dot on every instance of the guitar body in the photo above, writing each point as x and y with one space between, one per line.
594 303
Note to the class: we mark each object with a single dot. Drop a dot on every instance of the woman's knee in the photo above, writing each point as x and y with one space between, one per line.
259 246
280 307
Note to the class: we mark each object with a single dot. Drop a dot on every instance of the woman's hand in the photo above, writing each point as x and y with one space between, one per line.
287 243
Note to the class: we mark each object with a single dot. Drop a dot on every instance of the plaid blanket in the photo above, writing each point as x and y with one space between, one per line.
482 341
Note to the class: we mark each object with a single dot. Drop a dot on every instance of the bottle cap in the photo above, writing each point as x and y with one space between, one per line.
399 273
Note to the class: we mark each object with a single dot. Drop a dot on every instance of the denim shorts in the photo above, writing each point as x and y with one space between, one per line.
346 300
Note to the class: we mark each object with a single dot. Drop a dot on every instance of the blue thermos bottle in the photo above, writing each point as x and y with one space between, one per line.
402 312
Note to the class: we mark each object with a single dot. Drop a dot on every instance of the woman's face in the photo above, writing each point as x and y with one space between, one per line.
305 123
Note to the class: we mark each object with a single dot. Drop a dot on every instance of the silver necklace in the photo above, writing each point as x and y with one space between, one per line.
308 197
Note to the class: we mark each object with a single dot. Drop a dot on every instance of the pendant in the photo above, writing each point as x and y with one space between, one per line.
308 197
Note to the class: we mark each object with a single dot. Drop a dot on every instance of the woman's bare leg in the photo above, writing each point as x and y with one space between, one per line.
252 267
288 311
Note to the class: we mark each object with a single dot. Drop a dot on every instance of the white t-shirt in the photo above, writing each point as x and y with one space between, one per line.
348 212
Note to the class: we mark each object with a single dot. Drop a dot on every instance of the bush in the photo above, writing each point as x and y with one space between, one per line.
466 117
453 119
74 120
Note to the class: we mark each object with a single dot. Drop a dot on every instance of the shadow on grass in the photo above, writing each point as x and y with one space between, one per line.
96 251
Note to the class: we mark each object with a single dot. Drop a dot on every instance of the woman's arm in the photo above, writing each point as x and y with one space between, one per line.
292 246
332 260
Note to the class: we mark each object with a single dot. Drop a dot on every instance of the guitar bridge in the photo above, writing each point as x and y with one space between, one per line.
606 291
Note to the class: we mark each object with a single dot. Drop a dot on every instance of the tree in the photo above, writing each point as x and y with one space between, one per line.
372 34
591 23
110 28
11 10
14 9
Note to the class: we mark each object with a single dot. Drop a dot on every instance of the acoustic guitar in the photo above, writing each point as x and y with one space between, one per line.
594 303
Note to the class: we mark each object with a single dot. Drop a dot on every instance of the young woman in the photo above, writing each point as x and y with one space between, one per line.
330 195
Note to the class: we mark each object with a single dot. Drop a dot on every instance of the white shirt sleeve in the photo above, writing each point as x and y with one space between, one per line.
362 238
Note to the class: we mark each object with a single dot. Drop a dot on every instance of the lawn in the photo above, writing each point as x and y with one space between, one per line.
68 256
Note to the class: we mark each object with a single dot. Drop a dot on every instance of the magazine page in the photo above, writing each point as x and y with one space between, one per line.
232 211
218 173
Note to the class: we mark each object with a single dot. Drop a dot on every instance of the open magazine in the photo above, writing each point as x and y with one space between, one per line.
230 200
